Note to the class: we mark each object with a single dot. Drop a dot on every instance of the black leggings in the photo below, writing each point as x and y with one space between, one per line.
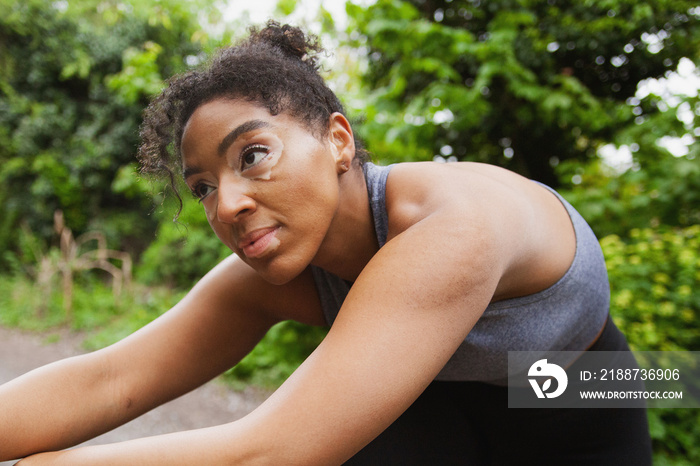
469 423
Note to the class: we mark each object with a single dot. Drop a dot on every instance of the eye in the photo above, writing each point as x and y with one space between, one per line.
252 155
201 190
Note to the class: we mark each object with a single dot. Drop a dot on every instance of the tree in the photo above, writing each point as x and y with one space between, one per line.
655 187
517 83
74 79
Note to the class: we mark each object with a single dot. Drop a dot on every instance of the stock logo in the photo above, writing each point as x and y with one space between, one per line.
544 369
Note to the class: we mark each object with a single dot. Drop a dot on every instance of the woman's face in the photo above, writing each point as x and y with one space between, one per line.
269 187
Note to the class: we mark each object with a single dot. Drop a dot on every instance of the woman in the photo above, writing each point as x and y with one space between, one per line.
429 274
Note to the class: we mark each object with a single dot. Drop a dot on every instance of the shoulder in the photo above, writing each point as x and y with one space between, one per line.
491 215
468 191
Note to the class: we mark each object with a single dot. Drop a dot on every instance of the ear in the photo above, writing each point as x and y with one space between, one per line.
342 142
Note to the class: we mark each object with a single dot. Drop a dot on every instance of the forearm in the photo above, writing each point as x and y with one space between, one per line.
276 434
219 445
56 406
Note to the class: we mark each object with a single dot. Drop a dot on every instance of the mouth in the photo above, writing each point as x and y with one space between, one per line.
259 242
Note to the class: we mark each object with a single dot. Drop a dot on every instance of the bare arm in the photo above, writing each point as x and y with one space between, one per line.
406 314
70 401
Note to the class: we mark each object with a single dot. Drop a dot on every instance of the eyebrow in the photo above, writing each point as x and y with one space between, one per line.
230 138
246 127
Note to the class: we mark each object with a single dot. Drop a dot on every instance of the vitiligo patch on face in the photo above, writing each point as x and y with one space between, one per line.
274 244
263 171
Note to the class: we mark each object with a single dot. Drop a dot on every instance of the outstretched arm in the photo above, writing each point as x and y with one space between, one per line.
210 330
408 311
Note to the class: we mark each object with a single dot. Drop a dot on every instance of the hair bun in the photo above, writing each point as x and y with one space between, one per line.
289 39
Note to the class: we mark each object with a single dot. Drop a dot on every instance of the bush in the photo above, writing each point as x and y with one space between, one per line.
184 250
655 278
655 286
280 352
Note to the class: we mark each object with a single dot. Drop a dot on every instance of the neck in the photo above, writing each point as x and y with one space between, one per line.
351 240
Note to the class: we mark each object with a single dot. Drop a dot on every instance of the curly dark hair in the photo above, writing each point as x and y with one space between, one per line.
276 67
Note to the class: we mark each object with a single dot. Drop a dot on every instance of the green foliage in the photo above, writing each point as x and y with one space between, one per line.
184 249
655 282
512 82
25 305
140 75
286 7
658 188
655 300
665 192
74 79
280 352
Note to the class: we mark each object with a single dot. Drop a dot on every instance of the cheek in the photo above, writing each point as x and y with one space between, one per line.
317 201
209 206
219 231
217 227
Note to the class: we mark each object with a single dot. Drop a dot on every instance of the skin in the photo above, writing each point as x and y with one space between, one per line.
460 236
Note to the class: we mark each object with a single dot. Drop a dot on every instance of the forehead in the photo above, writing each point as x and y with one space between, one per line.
213 121
222 115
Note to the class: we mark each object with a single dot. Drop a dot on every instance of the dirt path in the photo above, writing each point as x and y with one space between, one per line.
209 405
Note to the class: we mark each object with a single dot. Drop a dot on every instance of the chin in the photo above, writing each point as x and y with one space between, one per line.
277 273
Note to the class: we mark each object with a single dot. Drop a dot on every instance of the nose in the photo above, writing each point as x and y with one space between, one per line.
234 202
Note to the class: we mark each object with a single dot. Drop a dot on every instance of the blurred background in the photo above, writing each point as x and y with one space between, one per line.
598 99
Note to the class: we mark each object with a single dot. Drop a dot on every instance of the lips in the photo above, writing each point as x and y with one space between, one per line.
259 242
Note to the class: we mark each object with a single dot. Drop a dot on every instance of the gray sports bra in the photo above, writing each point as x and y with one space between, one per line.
567 316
